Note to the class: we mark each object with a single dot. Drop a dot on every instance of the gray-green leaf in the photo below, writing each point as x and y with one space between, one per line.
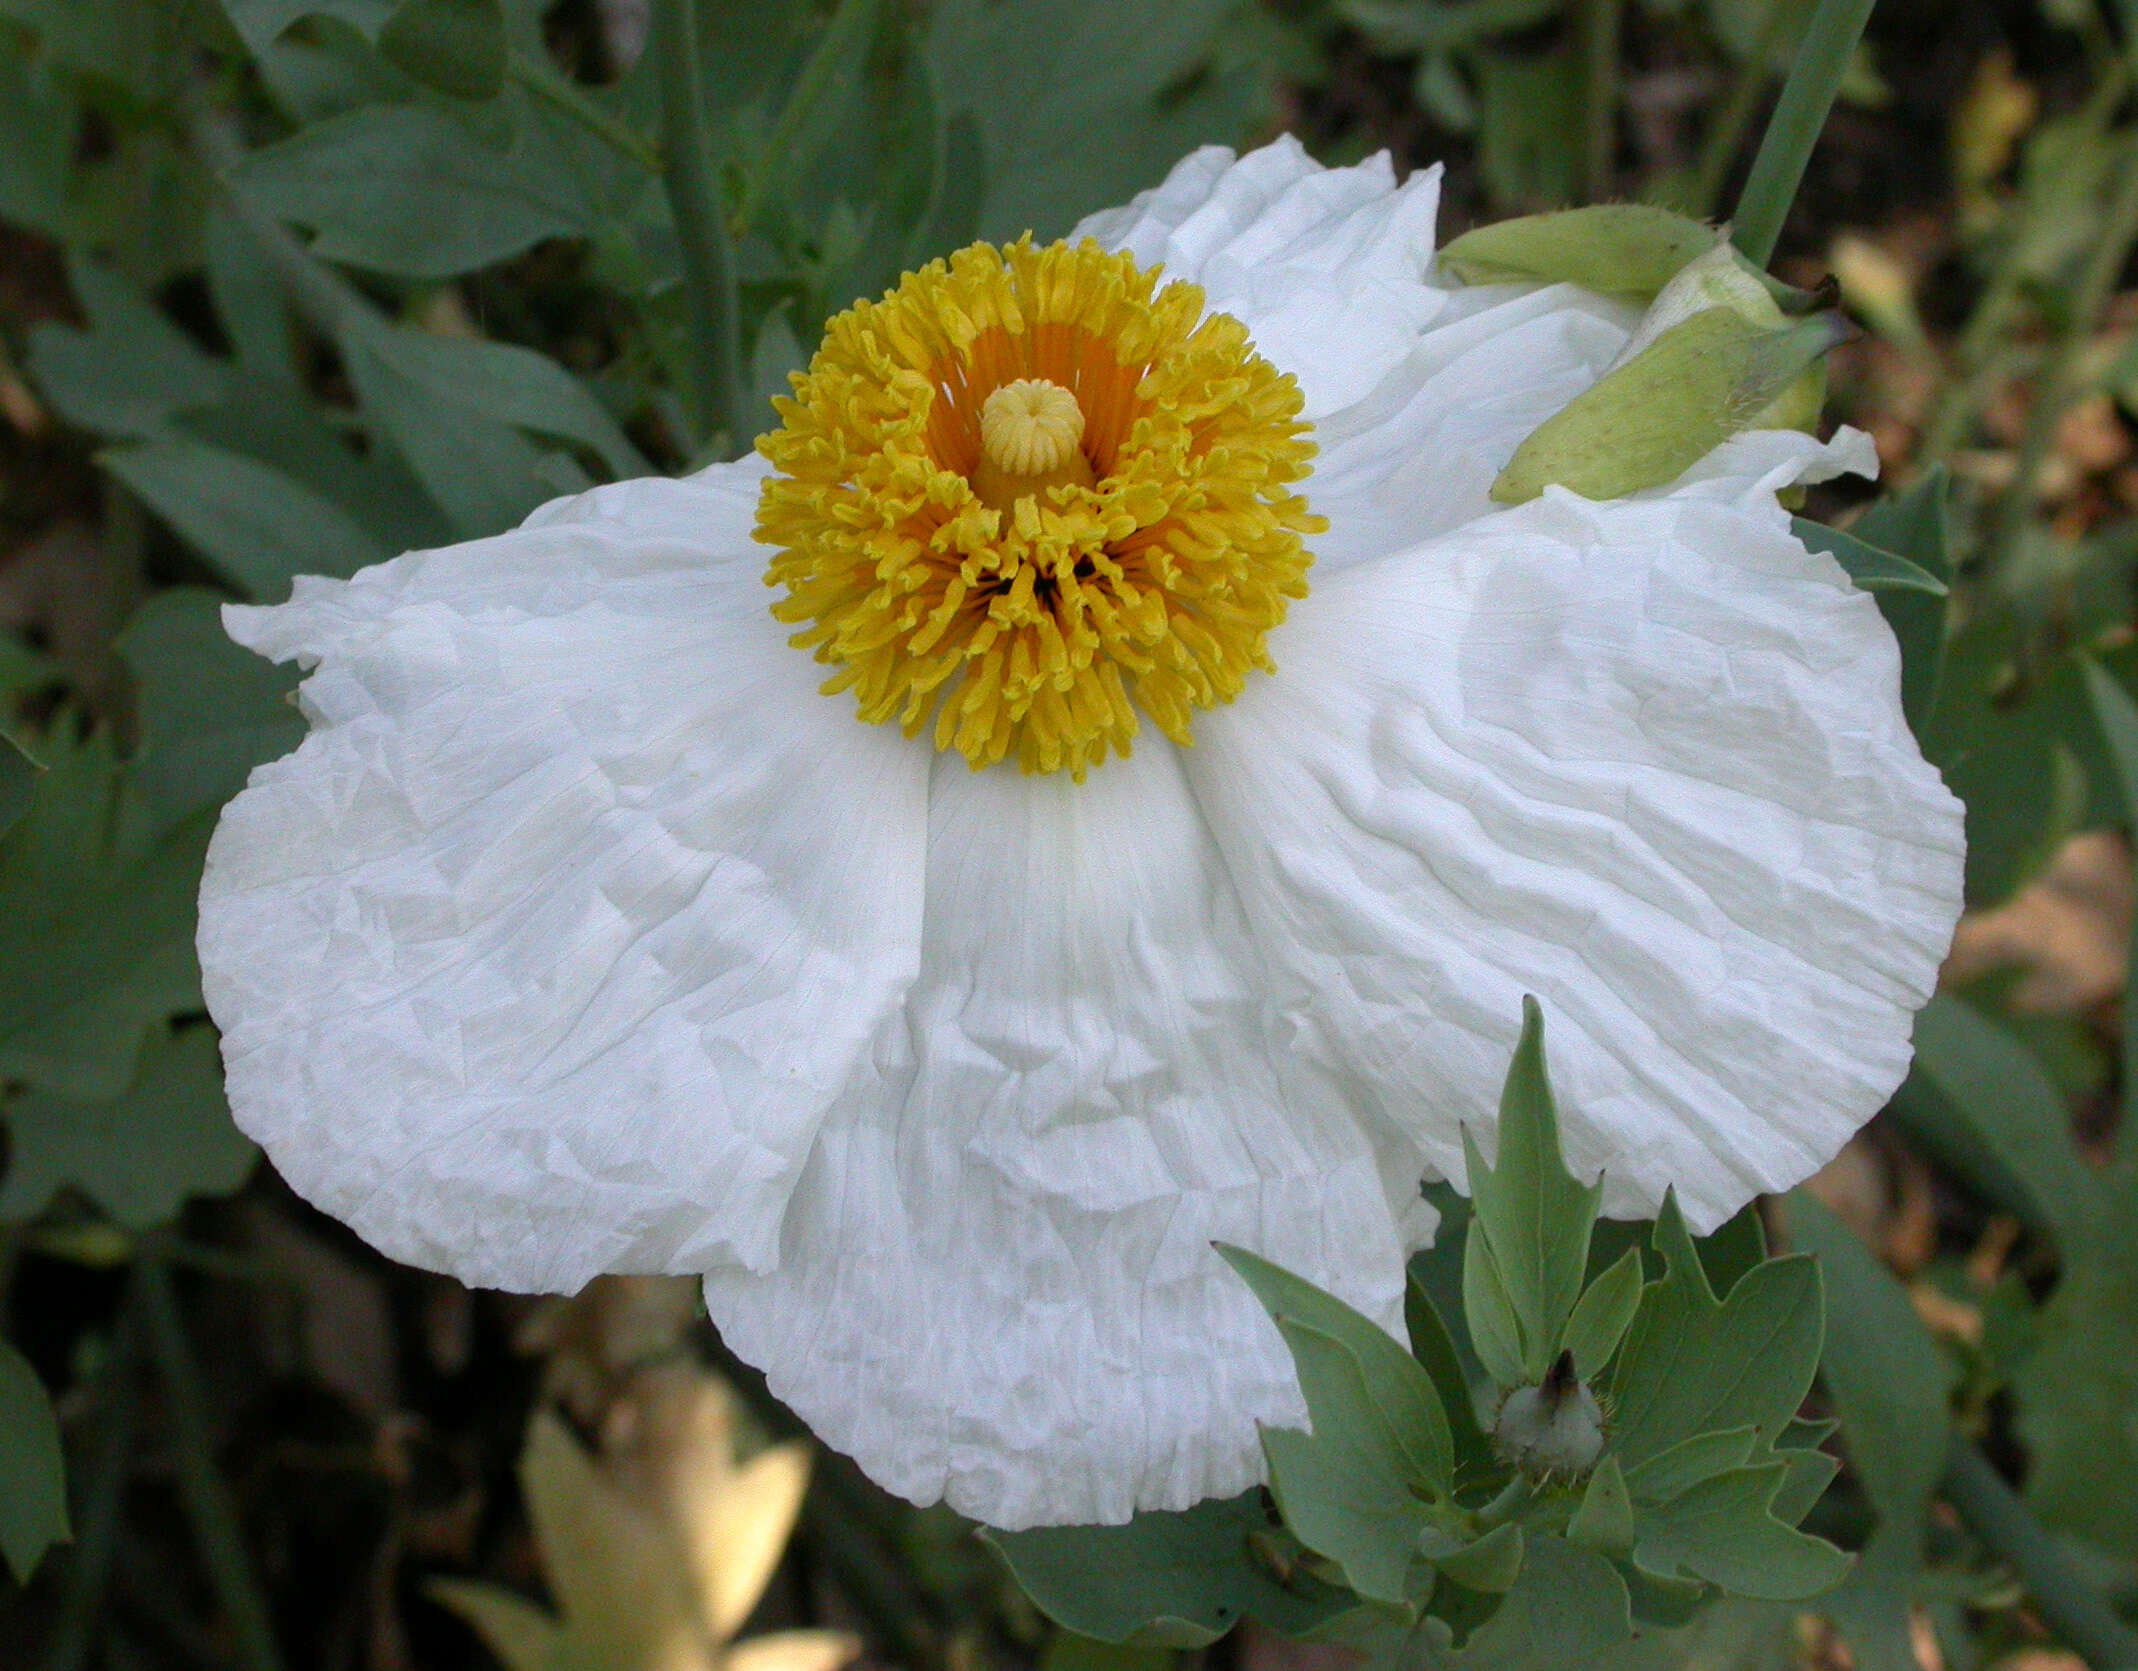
139 1155
33 1480
1532 1214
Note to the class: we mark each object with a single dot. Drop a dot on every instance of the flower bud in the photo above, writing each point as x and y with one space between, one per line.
1555 1428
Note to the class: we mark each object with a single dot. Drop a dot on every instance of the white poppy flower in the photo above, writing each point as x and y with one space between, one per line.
586 932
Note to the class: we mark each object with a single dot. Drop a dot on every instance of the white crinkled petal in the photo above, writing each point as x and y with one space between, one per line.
1645 760
996 1282
547 950
1419 455
1325 266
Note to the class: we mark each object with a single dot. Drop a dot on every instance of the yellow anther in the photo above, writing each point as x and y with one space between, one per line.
1030 501
1030 427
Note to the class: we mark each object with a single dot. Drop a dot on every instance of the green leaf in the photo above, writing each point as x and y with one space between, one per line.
33 1481
455 46
1337 1498
18 783
1568 1609
501 382
1168 1580
1531 1214
1434 1348
1692 1364
256 524
260 23
1915 527
1620 249
249 300
1408 26
1889 1381
1604 1314
1527 126
140 1155
1674 1470
1723 1530
455 411
1398 1387
1984 1103
1040 78
827 87
131 370
2117 717
1489 1565
1733 1248
1490 1314
1872 567
210 710
413 190
1807 1473
1604 1522
97 903
1356 1489
40 128
1655 417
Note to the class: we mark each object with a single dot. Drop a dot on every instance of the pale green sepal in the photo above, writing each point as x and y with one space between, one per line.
1654 418
1489 1565
1620 249
1604 1522
1800 406
1606 1311
1718 279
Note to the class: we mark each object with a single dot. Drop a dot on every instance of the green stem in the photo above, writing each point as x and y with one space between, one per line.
88 1574
1814 79
701 220
1726 130
201 1486
2062 380
2071 1608
549 84
1601 21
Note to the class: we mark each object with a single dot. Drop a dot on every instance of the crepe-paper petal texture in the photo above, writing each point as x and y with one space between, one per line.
591 930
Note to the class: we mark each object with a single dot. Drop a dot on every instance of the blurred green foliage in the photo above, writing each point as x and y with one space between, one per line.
311 282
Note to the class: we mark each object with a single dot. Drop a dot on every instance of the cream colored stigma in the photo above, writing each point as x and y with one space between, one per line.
1029 435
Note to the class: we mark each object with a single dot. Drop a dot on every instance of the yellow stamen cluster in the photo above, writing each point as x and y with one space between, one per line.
1029 494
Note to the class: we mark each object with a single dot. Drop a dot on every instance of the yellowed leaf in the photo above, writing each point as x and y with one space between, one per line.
511 1626
618 1578
794 1650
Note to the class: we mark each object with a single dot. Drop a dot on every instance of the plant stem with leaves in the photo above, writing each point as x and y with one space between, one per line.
1601 26
201 1486
2073 1610
2062 381
694 198
1733 117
